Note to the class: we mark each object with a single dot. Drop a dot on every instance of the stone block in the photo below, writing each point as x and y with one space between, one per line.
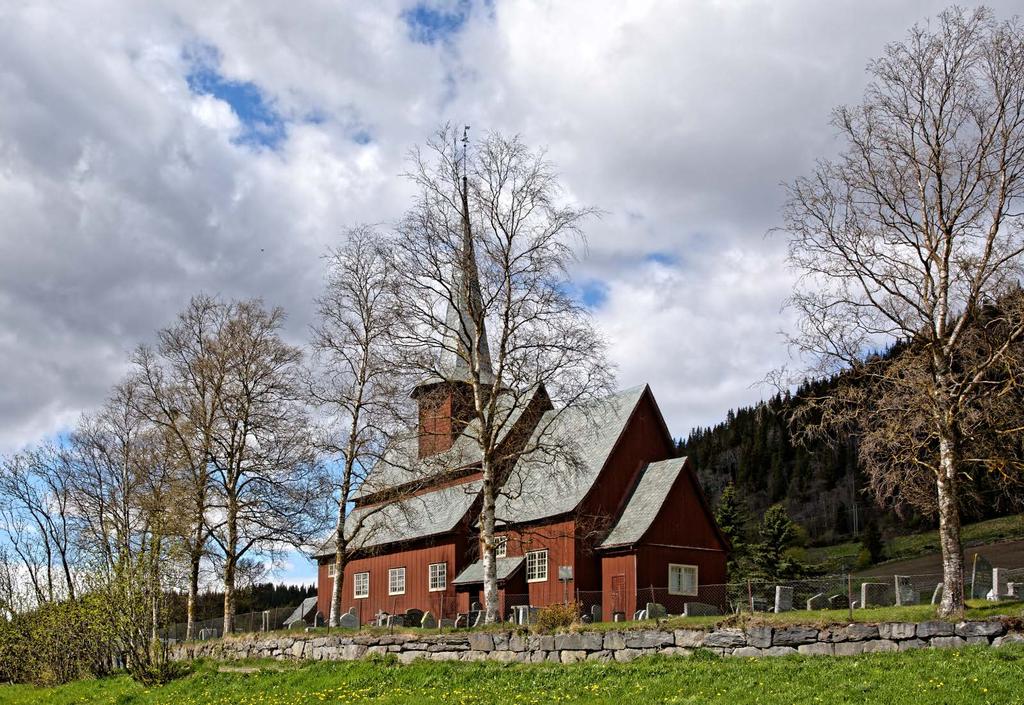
747 652
783 598
410 656
602 655
874 595
976 640
854 632
779 651
1007 639
349 620
689 638
879 646
573 642
444 656
649 639
794 636
725 639
656 611
517 643
985 629
946 642
838 602
538 656
760 637
897 630
932 628
849 648
446 623
675 651
909 644
626 655
816 649
428 620
817 602
481 642
614 640
573 656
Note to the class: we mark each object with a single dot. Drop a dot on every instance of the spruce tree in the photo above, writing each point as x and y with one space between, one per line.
770 557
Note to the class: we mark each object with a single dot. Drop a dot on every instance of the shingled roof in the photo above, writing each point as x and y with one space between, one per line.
424 515
555 477
647 500
475 573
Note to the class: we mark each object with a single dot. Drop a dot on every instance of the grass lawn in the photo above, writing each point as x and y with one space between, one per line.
835 558
974 675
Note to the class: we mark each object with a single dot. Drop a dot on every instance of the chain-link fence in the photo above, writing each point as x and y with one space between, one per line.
248 622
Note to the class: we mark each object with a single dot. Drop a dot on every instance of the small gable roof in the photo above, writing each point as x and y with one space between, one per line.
475 573
656 481
423 515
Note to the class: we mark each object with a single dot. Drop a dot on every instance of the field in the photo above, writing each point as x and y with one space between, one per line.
975 675
999 538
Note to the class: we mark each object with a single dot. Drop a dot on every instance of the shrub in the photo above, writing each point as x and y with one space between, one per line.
555 617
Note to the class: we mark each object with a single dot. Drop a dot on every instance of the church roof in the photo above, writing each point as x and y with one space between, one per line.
475 573
648 498
555 477
417 517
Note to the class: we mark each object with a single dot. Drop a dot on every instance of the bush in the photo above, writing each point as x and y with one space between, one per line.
555 617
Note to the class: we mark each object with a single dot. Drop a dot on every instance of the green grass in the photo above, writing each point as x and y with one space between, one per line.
837 557
974 675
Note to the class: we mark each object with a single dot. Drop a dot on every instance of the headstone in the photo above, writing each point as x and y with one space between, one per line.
445 623
349 620
619 617
905 592
595 612
428 621
586 619
981 576
937 594
656 611
817 602
838 602
874 595
413 617
999 589
478 618
699 609
639 614
1012 590
475 607
395 620
461 621
783 598
297 625
207 633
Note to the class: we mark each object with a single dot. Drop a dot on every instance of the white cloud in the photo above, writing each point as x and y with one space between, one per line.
123 192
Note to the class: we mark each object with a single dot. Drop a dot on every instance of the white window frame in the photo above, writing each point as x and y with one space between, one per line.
363 578
500 546
683 568
534 566
437 577
332 570
393 575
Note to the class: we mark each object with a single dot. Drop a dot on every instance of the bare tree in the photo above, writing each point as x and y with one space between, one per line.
265 478
357 383
911 233
180 383
483 258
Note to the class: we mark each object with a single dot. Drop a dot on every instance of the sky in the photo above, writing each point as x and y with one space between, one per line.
152 151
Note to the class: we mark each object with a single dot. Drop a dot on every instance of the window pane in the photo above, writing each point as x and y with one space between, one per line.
537 566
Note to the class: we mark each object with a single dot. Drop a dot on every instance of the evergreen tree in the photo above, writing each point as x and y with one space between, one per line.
871 545
731 515
770 556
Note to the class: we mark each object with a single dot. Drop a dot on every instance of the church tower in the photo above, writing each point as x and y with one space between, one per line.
446 397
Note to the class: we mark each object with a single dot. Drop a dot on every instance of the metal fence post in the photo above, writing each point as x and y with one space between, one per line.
849 594
750 596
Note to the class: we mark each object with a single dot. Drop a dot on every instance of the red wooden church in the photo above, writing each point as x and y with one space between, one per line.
628 521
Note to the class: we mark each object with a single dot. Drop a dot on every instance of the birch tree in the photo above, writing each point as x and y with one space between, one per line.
912 234
356 382
483 257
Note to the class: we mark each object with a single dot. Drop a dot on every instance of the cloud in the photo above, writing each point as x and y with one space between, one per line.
149 151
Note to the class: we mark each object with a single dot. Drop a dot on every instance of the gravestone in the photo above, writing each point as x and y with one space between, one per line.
981 576
461 620
428 621
586 619
639 614
619 617
395 620
999 588
297 625
413 617
446 623
783 598
699 609
595 612
656 611
1012 590
349 620
905 592
838 602
207 633
817 602
937 594
477 618
475 607
874 595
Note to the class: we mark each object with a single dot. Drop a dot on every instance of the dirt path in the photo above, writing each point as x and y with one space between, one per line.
1008 554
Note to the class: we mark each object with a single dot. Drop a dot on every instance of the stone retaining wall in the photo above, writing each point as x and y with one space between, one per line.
622 645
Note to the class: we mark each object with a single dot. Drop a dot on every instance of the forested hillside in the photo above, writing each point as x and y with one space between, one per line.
755 448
